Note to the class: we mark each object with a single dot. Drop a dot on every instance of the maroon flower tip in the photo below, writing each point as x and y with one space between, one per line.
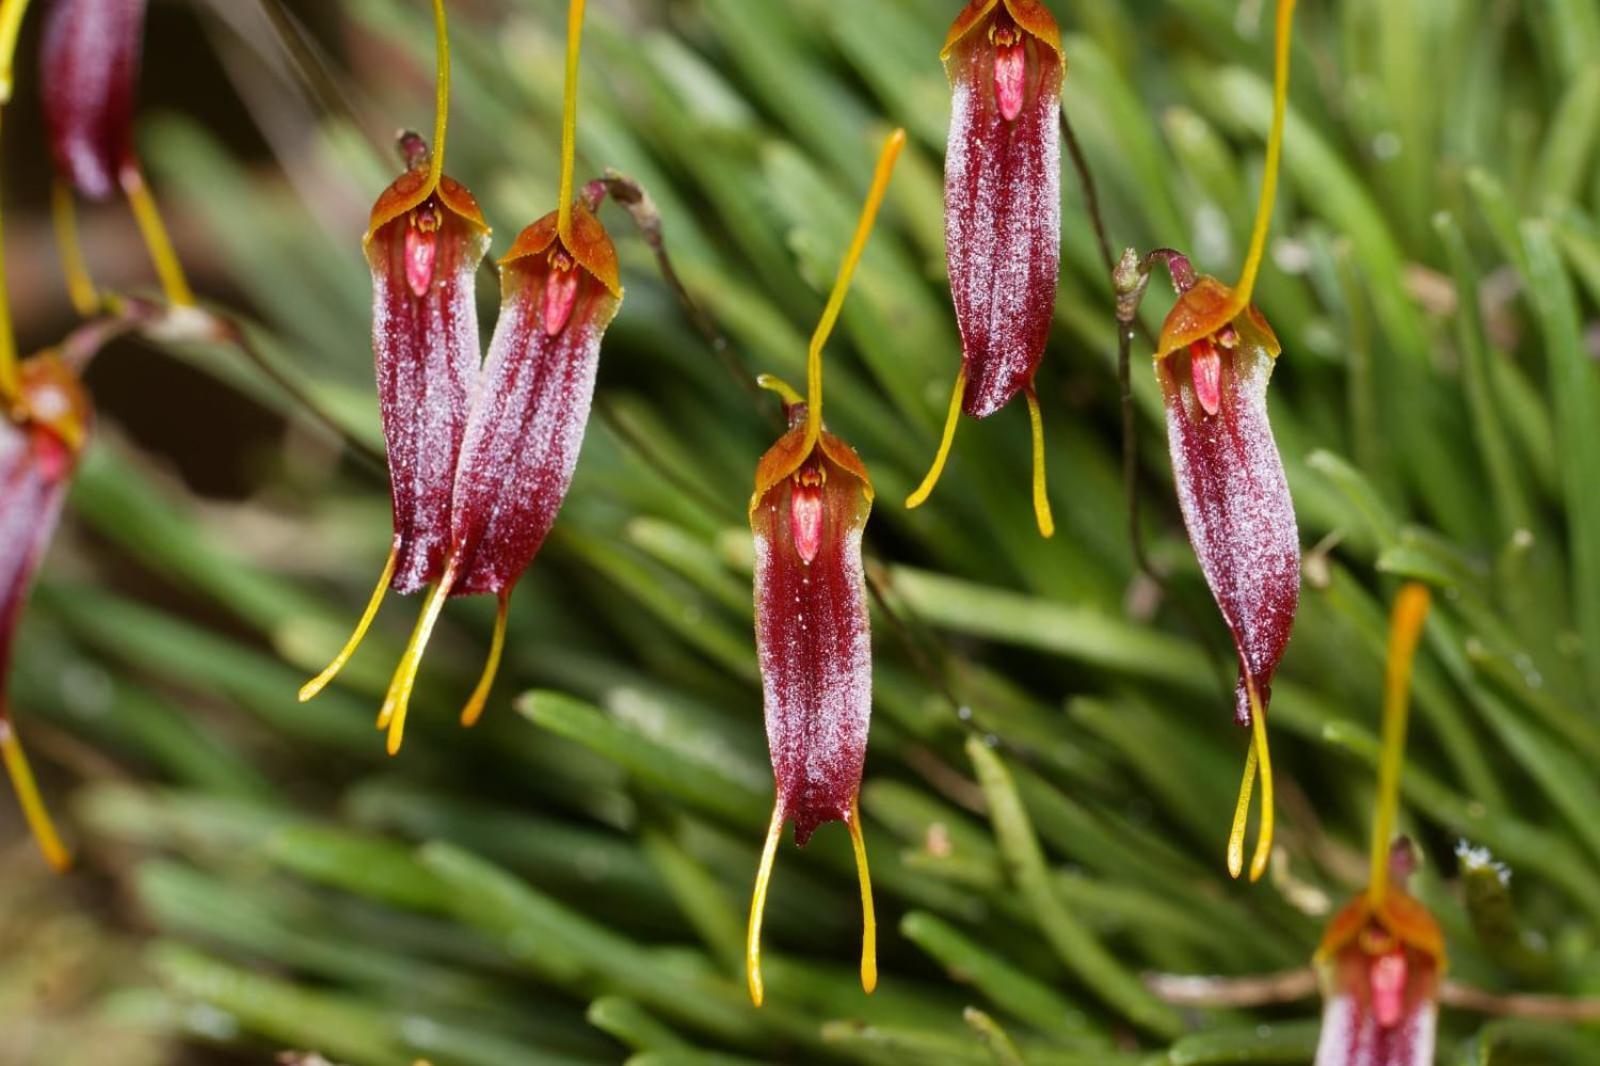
88 77
1003 193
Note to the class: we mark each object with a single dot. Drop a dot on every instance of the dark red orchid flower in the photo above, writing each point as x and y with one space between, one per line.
39 447
1380 965
1002 211
1235 500
88 80
1213 360
1230 479
480 459
424 245
807 515
89 76
1382 957
813 638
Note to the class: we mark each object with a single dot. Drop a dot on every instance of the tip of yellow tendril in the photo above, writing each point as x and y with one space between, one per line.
1258 761
1241 815
1258 729
758 909
1041 493
32 803
480 695
869 921
952 417
310 689
392 716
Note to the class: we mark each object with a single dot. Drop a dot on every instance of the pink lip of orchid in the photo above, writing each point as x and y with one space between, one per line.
1002 212
39 447
813 636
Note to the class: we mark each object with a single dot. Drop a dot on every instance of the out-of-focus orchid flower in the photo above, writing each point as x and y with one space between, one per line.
1213 360
810 506
88 80
1002 212
480 461
41 436
1382 957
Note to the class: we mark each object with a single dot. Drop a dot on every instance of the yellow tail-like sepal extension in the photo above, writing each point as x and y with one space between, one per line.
758 909
32 803
924 490
320 682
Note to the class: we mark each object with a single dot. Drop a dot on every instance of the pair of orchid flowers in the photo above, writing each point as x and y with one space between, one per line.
88 74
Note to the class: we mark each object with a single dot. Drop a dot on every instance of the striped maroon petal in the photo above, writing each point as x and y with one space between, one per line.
1234 496
1003 193
812 633
424 248
88 77
527 422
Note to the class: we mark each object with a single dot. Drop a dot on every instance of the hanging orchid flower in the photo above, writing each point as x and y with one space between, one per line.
1382 958
1002 199
88 80
1213 360
810 506
480 461
43 427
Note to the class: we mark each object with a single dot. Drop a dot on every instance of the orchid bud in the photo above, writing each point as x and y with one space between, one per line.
813 638
1382 958
480 460
89 75
1002 199
39 448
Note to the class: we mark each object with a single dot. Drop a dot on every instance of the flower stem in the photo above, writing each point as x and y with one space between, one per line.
441 92
1269 176
569 120
1405 629
841 285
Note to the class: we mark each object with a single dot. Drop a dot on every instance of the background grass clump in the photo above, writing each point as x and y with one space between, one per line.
1052 765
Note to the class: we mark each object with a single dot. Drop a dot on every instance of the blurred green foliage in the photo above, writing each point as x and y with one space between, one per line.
1052 764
